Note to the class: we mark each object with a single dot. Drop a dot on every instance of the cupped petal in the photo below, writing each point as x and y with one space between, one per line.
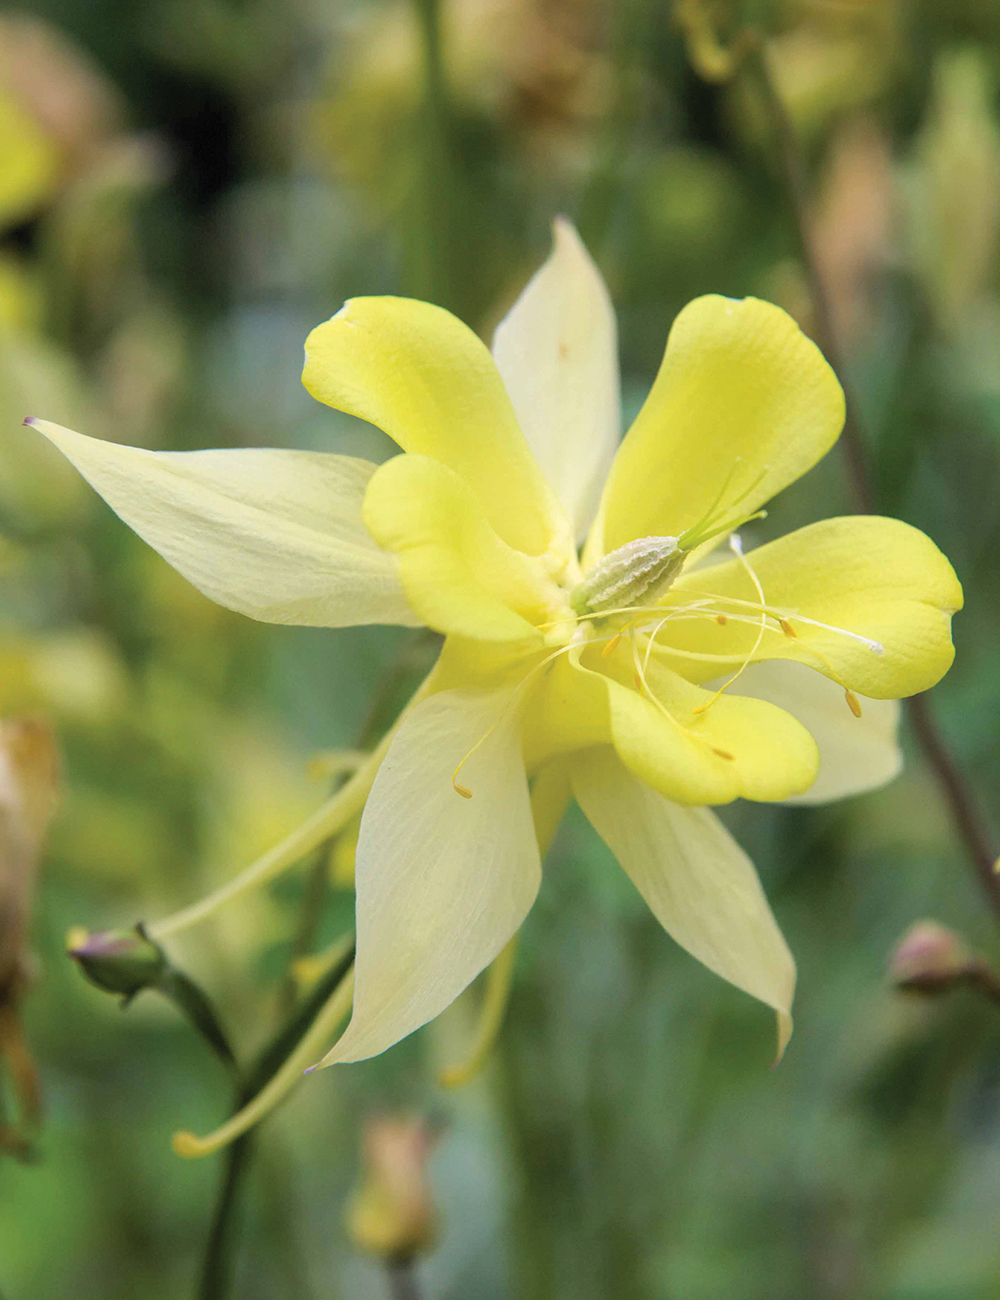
742 406
865 600
734 748
557 351
273 534
428 382
458 574
443 881
697 881
856 754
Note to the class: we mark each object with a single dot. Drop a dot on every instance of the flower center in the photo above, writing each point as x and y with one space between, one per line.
640 572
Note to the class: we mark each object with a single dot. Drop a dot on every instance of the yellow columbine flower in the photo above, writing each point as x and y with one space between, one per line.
639 677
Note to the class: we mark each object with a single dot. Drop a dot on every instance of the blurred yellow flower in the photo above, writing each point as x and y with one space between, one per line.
633 676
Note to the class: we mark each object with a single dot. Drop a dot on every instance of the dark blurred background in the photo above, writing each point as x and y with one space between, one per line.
186 188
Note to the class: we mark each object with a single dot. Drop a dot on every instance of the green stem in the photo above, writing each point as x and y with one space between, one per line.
958 796
217 1264
402 1278
193 1003
430 271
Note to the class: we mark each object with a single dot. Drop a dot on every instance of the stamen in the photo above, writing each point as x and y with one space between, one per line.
736 545
612 645
876 647
463 790
724 753
721 620
853 703
787 628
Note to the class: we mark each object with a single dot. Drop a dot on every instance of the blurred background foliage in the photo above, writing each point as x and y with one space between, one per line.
186 188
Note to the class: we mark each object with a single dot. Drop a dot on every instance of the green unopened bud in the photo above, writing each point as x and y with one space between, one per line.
118 961
639 572
930 958
391 1214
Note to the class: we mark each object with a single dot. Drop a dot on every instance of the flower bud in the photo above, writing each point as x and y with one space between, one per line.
930 958
391 1214
118 961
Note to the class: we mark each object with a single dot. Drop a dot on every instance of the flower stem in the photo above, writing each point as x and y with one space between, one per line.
402 1278
962 806
217 1265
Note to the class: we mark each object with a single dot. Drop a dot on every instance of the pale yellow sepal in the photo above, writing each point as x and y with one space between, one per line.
443 880
557 350
695 878
427 381
273 534
856 754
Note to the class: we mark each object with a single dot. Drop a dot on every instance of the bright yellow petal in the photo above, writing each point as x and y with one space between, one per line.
698 882
869 577
743 400
458 574
557 350
443 881
273 534
738 748
428 382
855 754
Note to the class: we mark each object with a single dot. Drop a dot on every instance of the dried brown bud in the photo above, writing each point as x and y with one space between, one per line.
930 958
391 1214
28 792
28 795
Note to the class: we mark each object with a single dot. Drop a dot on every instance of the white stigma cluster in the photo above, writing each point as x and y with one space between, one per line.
637 573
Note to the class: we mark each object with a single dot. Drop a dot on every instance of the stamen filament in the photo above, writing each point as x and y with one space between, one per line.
310 1045
875 646
463 790
737 548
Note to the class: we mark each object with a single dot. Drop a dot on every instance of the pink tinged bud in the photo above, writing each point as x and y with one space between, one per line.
930 958
118 961
391 1213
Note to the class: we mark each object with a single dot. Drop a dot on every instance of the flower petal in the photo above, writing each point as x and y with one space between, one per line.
428 382
698 882
855 754
737 748
743 403
459 575
863 577
557 350
273 534
443 881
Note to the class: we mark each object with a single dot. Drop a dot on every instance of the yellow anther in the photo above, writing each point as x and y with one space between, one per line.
853 703
721 620
463 790
612 645
788 630
724 753
640 685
